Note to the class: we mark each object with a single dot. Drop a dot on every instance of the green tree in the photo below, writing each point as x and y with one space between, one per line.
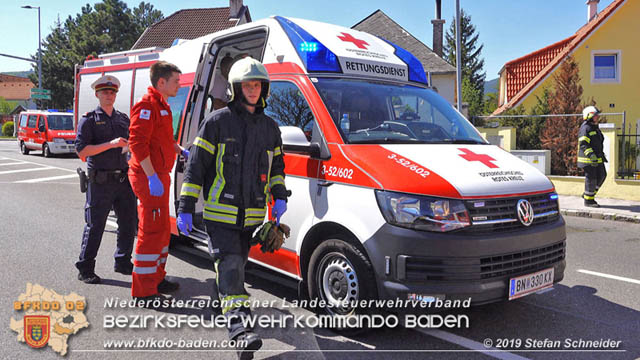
6 106
109 26
471 61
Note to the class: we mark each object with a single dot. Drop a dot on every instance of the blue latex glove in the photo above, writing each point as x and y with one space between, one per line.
185 154
279 208
185 223
155 185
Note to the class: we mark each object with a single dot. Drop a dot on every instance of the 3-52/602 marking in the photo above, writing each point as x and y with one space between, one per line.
335 171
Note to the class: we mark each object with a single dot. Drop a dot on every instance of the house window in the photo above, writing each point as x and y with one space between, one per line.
605 67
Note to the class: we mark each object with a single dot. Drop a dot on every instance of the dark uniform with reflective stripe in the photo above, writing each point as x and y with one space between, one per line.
237 160
108 188
591 158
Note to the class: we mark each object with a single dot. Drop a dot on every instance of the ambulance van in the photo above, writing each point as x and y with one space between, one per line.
394 193
51 132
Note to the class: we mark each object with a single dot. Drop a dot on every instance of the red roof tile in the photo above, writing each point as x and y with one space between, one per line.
525 73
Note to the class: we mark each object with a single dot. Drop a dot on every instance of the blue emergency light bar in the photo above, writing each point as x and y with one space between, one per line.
315 56
416 71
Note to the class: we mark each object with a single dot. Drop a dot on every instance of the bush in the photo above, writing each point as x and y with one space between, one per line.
7 128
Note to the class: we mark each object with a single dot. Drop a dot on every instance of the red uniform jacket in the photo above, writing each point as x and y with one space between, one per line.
151 133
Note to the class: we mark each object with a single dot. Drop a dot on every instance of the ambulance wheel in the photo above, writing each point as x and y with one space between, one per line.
23 148
46 152
339 271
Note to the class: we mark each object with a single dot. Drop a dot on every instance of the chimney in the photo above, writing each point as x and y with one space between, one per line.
438 25
592 9
234 8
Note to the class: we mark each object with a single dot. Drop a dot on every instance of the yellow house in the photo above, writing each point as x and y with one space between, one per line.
607 50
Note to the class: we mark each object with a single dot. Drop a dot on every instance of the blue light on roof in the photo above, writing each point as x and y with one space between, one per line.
308 46
314 55
416 71
52 110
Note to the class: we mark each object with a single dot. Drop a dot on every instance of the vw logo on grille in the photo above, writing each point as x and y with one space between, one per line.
525 212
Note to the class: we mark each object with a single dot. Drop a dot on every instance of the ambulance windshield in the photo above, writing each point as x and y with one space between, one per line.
377 113
60 122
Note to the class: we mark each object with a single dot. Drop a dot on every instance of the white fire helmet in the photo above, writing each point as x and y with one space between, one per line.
589 112
247 69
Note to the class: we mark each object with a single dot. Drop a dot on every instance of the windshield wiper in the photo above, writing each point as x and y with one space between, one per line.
386 141
467 141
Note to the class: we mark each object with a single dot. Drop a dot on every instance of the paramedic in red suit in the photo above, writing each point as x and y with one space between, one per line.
153 153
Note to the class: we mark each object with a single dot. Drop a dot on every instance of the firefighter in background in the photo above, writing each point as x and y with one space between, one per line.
153 152
590 155
101 141
237 161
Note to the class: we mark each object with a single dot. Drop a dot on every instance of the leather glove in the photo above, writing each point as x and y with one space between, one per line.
594 159
155 185
271 236
185 223
185 154
279 208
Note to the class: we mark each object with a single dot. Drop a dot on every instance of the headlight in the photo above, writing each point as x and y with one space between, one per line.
58 140
422 212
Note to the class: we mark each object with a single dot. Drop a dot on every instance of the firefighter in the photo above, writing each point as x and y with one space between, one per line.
153 152
101 141
237 161
590 155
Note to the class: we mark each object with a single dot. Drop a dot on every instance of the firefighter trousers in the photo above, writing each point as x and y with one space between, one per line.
593 178
101 198
154 234
230 250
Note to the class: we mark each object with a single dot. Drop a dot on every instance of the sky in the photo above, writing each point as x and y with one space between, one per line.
508 28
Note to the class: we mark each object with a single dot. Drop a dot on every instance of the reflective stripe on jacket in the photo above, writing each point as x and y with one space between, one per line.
590 143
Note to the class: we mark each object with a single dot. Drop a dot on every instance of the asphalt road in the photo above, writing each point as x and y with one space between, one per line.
42 220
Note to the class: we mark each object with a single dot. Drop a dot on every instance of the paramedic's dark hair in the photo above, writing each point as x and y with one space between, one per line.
162 69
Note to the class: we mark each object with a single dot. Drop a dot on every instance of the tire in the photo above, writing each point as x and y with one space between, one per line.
23 148
339 271
46 152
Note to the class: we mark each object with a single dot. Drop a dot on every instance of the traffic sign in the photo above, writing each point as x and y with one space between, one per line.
40 91
41 96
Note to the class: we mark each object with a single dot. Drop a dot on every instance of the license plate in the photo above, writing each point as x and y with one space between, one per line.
524 285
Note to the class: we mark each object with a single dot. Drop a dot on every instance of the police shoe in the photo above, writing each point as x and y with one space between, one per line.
591 203
125 269
167 286
89 278
247 343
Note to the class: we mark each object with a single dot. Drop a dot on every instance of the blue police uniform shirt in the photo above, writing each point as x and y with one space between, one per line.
96 127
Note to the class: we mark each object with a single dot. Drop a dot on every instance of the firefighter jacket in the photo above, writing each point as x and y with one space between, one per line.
151 133
590 140
237 160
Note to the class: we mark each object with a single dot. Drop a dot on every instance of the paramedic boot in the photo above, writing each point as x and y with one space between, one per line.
247 343
89 278
591 203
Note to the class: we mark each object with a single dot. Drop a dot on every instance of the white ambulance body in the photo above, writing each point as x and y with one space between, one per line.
394 193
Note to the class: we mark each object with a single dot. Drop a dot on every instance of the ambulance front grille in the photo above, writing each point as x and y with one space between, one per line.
466 269
500 215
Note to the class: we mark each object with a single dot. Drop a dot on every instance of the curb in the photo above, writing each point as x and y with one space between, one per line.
601 215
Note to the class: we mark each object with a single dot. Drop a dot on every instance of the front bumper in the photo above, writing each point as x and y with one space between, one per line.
462 265
61 148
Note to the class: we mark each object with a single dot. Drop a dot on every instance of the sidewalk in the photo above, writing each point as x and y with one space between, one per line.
610 209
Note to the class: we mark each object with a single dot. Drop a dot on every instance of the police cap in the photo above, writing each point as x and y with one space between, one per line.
107 82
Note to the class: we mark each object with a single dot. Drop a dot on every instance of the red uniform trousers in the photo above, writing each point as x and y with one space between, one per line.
154 234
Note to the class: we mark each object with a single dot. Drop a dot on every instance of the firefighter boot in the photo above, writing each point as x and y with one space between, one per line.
591 203
247 343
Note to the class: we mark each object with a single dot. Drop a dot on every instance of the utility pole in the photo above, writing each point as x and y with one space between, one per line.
458 60
39 45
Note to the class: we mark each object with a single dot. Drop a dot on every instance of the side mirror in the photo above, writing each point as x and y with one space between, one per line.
294 140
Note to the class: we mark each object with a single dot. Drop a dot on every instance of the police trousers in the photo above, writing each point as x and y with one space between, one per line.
154 234
101 198
593 179
230 250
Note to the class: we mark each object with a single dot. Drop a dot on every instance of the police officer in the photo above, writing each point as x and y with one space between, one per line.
237 160
102 141
590 155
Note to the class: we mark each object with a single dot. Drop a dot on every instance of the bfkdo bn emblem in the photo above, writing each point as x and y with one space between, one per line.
36 330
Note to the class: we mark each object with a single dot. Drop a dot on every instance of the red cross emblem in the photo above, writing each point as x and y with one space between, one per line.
483 158
357 42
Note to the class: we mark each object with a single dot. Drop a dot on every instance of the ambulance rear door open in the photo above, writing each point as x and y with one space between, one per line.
249 42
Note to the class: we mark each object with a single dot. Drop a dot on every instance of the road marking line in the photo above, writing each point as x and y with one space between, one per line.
112 223
13 163
35 163
45 179
615 277
470 344
25 170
